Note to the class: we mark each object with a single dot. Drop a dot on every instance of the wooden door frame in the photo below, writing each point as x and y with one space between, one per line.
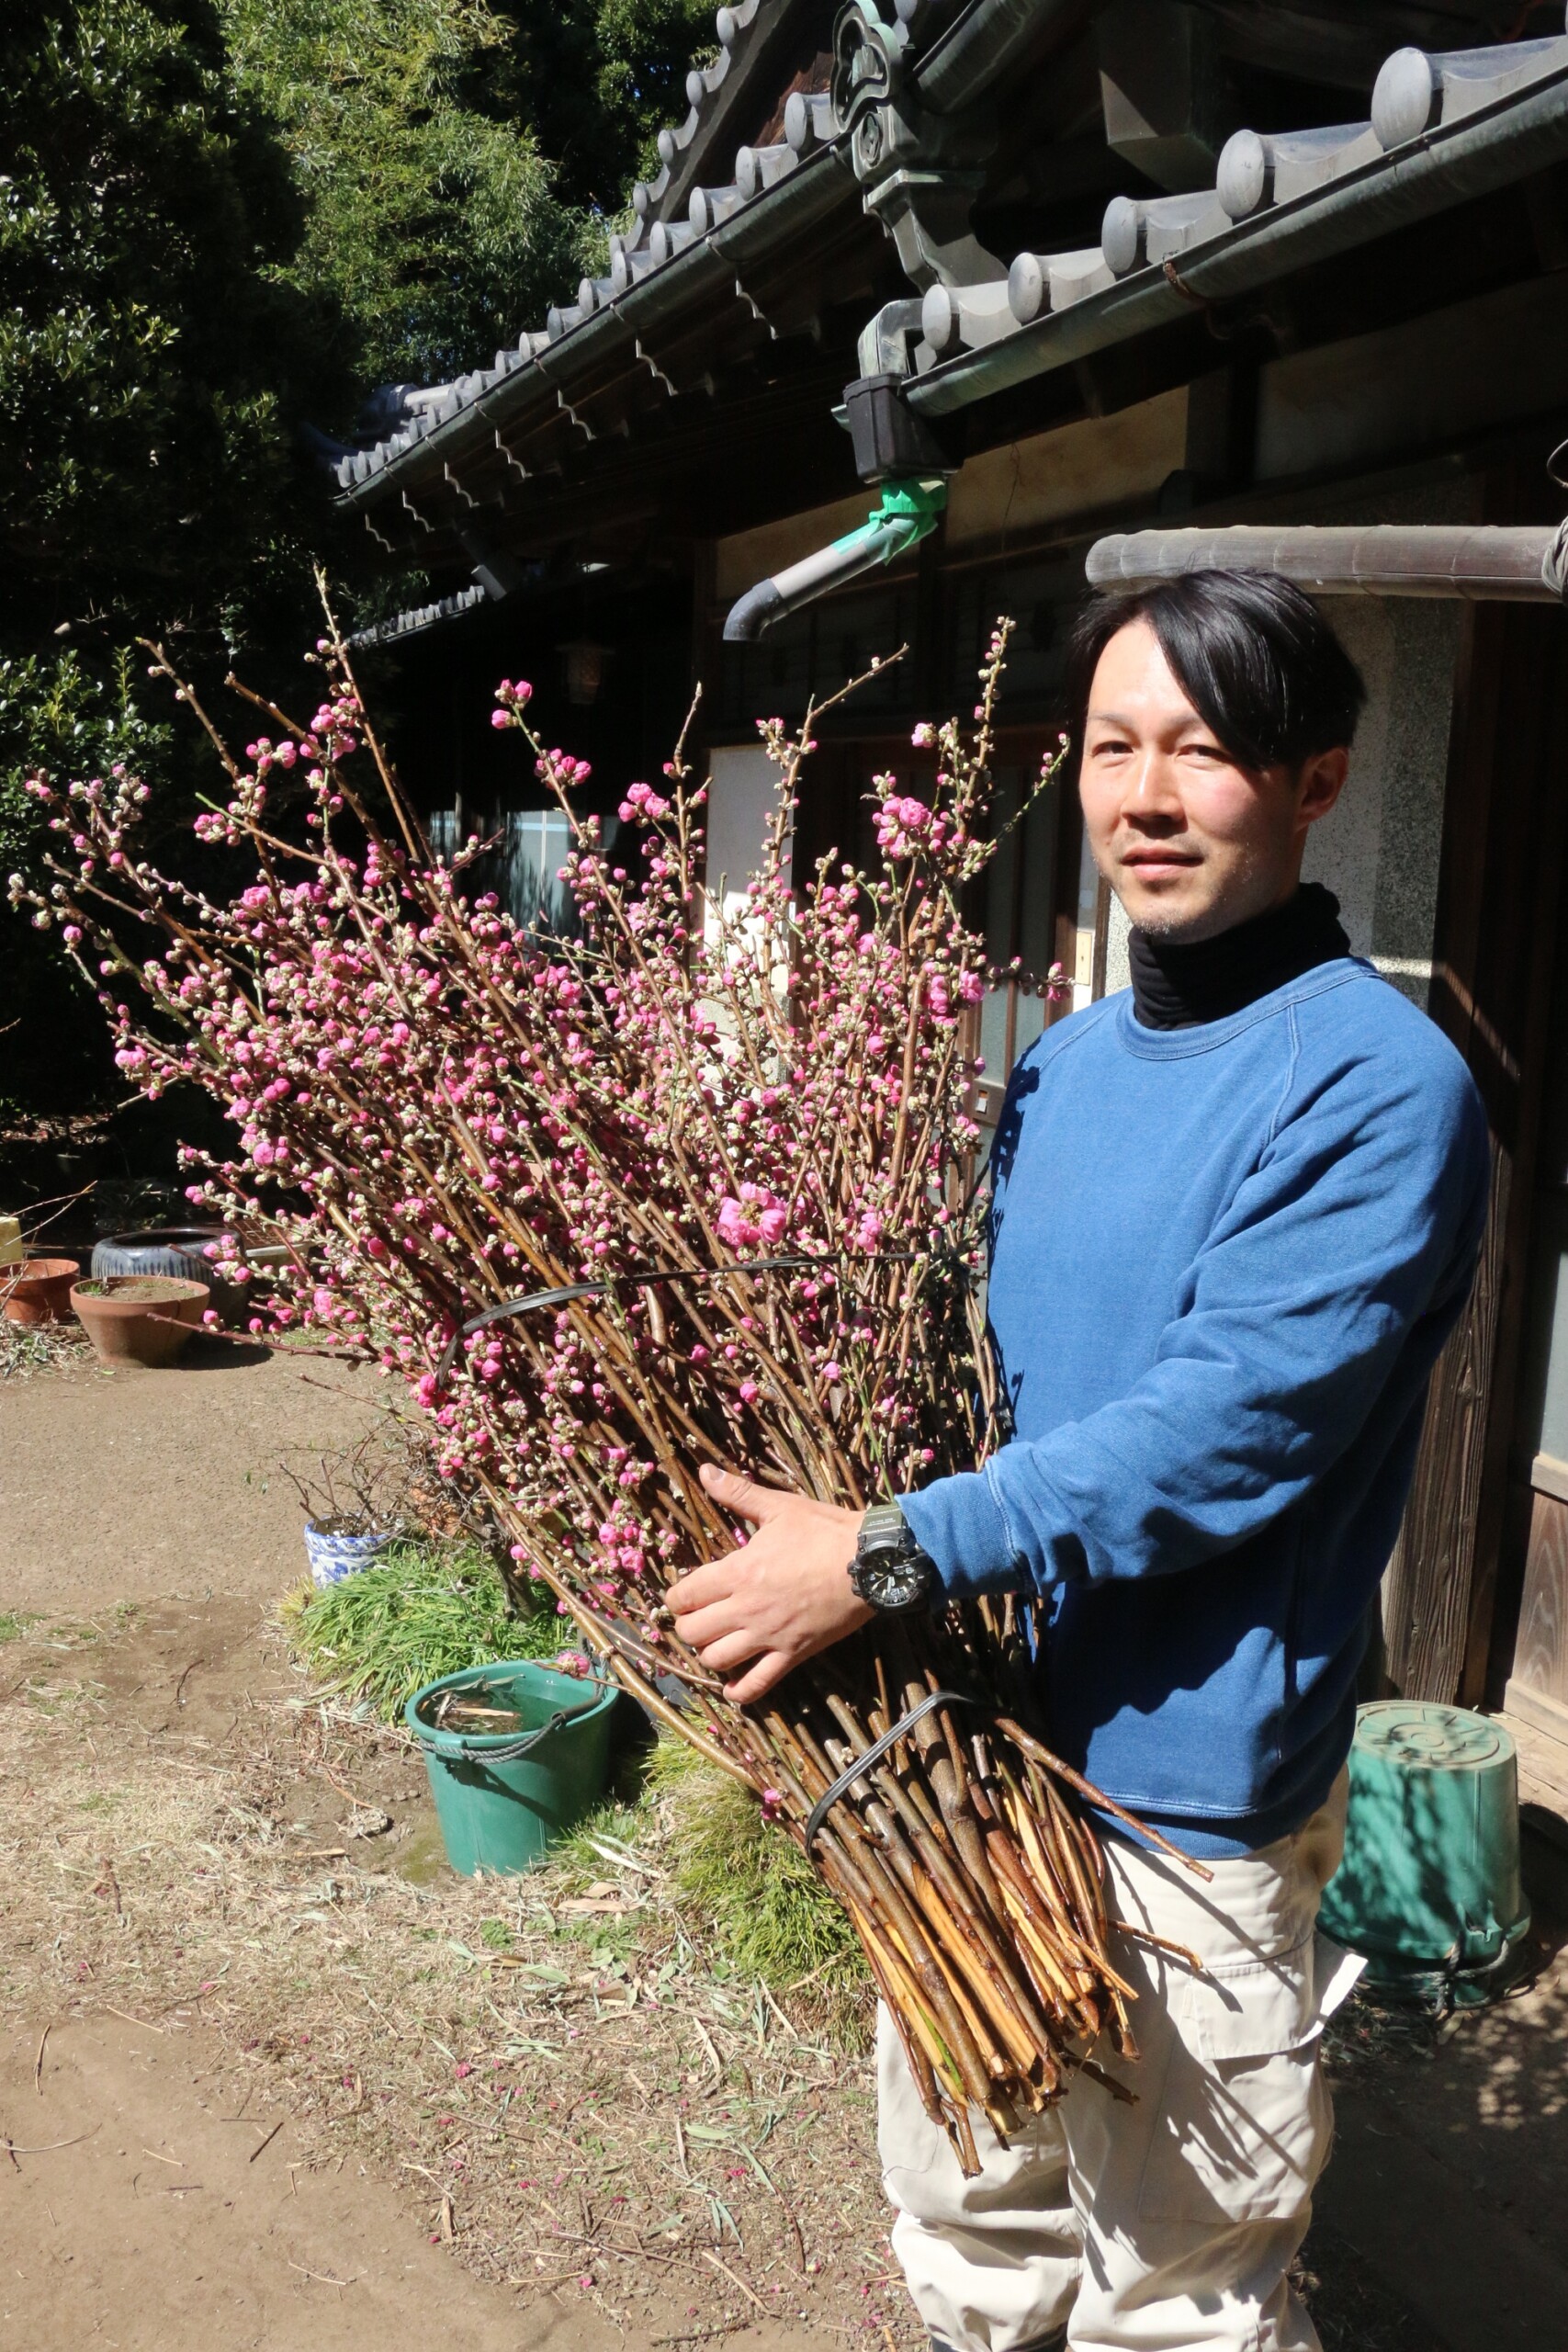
1454 1580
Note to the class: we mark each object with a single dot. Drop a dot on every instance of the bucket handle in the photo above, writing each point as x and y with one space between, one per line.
464 1746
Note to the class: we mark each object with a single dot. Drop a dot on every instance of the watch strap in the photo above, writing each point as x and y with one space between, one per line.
884 1527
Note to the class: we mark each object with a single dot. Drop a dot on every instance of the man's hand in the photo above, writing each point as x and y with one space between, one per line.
782 1597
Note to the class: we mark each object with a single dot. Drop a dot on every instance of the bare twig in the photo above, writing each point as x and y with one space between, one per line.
734 2279
47 2146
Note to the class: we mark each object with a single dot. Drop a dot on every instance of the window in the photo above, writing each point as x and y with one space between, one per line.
535 844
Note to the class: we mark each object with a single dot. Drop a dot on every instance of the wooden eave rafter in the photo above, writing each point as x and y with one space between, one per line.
589 371
670 466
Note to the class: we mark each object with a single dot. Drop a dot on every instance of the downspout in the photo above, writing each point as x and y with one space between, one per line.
907 513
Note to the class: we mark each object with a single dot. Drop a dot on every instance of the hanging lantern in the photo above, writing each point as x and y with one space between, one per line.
585 661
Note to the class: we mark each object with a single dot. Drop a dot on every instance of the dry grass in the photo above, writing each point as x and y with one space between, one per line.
585 2106
27 1349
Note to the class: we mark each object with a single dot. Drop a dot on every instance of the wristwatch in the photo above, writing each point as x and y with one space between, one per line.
889 1570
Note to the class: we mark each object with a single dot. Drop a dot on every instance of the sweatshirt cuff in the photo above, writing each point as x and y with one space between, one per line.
960 1523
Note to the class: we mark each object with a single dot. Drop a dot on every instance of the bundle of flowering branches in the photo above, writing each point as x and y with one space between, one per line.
688 1186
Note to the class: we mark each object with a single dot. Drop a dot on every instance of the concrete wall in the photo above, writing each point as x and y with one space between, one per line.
1379 851
743 792
1416 386
1100 463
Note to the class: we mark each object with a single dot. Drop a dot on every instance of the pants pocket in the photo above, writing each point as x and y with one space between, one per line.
1244 2121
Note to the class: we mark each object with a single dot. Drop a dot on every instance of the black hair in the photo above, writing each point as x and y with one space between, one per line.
1253 655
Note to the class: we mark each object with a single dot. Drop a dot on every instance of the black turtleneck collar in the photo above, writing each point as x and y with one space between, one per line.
1177 987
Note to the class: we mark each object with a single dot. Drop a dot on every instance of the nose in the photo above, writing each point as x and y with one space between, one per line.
1152 800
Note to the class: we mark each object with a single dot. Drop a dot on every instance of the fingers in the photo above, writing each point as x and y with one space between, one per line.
711 1624
769 1670
704 1586
734 1492
721 1651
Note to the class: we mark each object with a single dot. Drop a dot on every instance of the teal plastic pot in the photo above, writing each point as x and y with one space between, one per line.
502 1799
1430 1888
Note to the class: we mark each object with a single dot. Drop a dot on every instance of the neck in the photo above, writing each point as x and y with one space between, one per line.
1181 986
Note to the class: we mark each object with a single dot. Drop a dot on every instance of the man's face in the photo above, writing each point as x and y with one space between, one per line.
1190 843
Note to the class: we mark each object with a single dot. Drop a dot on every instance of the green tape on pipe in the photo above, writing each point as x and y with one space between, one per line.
908 512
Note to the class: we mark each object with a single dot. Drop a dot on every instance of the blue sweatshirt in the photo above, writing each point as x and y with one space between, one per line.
1223 1259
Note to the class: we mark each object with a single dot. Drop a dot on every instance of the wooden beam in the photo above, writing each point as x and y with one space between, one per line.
1486 563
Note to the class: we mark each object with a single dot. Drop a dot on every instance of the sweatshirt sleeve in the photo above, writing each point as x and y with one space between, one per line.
1362 1220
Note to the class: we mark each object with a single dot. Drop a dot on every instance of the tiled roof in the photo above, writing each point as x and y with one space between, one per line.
672 212
693 240
1415 94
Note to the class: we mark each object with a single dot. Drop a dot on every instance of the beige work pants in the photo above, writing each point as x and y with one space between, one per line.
1172 2223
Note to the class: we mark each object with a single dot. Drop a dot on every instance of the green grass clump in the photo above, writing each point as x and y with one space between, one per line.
755 1892
419 1612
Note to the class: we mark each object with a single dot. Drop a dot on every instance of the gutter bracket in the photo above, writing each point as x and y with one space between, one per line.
743 294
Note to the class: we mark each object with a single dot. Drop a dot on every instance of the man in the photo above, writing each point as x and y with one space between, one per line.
1237 1211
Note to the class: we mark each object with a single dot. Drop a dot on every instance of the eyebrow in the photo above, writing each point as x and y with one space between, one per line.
1120 718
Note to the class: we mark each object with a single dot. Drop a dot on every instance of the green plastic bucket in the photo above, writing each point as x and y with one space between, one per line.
503 1798
1429 1886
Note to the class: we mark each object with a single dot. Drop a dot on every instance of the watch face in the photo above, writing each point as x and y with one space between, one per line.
891 1579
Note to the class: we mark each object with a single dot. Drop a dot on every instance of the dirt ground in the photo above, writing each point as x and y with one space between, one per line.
271 2076
247 1999
126 1485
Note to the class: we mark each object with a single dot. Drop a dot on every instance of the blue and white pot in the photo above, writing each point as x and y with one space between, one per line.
333 1556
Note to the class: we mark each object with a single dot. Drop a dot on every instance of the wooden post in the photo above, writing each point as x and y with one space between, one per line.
1494 949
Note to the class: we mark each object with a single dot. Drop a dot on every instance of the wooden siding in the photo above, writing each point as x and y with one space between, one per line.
1538 1687
1454 1578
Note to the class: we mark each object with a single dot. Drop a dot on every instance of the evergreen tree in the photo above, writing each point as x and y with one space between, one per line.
433 225
596 80
149 360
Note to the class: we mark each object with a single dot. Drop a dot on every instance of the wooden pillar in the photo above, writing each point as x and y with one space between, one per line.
1495 937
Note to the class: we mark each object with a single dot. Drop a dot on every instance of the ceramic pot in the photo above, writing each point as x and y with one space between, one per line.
140 1318
335 1555
40 1290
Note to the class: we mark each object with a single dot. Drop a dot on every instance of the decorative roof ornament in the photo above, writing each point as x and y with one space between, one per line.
922 171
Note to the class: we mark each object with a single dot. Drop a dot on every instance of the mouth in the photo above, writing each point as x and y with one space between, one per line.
1159 865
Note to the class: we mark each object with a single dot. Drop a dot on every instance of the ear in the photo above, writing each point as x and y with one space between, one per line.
1320 784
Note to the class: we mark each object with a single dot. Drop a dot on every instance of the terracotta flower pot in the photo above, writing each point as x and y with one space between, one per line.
171 1249
40 1290
140 1318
